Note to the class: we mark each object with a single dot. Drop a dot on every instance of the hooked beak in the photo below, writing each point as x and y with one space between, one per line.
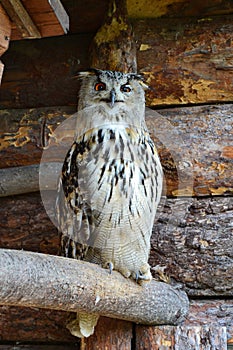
112 97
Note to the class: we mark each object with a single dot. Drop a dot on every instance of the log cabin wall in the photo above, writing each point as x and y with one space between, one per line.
185 52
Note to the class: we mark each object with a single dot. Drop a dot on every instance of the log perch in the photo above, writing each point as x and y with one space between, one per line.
37 280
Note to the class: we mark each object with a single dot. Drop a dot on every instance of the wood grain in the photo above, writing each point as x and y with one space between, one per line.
58 283
19 15
186 61
182 338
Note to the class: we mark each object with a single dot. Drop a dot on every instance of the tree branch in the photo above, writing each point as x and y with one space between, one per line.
44 281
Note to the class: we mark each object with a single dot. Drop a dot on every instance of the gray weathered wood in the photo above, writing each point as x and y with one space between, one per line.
32 279
25 179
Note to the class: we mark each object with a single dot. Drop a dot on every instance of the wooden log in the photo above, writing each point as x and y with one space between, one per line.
25 179
192 239
167 8
30 81
214 312
113 46
194 144
33 324
65 284
37 347
186 61
182 338
183 61
110 334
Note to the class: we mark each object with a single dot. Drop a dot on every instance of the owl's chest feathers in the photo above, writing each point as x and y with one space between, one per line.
112 165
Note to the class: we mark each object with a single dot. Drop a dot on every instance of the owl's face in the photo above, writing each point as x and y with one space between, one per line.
112 89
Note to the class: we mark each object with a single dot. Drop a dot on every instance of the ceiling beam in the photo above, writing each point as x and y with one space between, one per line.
19 15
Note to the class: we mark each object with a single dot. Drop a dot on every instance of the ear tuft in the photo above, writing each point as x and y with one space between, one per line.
140 79
84 74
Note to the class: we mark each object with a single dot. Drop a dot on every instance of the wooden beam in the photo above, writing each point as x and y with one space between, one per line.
66 284
60 13
113 46
21 18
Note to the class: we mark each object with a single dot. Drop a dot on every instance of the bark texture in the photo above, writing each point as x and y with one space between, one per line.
31 279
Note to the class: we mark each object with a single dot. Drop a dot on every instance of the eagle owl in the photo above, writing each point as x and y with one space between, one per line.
111 181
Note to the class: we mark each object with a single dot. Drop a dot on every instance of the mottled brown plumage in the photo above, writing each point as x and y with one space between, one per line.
111 179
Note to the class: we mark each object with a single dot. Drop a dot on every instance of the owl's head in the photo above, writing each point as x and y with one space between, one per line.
112 89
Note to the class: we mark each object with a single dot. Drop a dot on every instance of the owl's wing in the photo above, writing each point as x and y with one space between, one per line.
74 216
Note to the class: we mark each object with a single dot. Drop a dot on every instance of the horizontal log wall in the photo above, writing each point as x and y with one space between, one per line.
192 239
194 144
186 61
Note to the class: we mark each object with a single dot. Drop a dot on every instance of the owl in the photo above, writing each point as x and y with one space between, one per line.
111 181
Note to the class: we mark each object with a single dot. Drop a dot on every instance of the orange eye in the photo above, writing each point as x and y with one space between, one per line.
100 87
125 88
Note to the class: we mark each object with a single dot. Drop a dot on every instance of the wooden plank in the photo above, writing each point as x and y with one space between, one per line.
186 61
50 18
192 239
194 147
21 18
61 14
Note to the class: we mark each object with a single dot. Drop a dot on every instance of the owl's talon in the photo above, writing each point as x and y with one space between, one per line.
110 266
